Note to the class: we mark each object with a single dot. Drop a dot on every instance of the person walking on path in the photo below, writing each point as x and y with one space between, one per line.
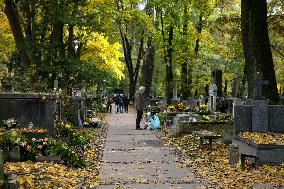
138 105
116 102
120 103
109 103
125 102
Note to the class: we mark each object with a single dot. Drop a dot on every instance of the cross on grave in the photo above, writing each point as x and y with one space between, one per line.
259 83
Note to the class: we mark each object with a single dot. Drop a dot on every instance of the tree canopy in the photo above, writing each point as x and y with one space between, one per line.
88 40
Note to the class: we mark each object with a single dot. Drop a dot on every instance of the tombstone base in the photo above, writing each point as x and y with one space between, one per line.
259 116
234 154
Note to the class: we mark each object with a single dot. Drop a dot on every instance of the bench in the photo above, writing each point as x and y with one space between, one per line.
206 135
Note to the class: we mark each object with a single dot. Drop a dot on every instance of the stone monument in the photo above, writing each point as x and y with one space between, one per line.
39 109
201 100
259 106
212 97
175 97
216 77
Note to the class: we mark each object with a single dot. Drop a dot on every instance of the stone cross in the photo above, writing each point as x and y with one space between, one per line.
259 83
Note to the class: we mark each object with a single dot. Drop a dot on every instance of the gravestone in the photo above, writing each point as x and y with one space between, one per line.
8 85
178 129
234 154
14 154
175 97
259 107
236 102
40 109
55 84
201 100
259 83
80 110
11 181
1 169
212 97
258 116
216 77
191 101
236 88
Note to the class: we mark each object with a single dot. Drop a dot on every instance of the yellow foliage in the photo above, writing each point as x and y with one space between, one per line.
103 54
7 44
264 138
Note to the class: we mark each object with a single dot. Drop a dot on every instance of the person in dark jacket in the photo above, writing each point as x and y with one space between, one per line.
120 103
109 103
116 102
125 102
138 105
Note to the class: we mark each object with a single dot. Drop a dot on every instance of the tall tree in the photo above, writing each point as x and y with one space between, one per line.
13 15
256 46
186 70
126 29
148 66
149 59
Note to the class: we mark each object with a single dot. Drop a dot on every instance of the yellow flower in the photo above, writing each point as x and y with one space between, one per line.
67 126
203 106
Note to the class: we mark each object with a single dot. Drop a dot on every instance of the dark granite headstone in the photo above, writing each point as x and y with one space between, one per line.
1 168
276 119
25 108
243 118
259 83
14 154
216 77
259 116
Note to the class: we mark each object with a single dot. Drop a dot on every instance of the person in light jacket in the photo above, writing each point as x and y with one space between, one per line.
138 105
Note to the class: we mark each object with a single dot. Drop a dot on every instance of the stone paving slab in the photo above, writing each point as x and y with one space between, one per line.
156 186
136 156
137 159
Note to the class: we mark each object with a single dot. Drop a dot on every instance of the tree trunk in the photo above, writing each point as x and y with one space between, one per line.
169 65
14 18
148 67
186 74
256 46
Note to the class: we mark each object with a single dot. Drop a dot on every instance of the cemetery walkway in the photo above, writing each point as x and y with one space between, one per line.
138 159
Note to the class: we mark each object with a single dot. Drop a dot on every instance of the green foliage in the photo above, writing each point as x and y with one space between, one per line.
11 138
98 106
67 153
93 27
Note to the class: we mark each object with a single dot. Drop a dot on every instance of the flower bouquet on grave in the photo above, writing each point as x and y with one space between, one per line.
10 123
171 108
203 110
91 122
180 107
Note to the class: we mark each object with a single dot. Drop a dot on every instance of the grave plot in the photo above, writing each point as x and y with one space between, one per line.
264 148
255 121
214 165
36 111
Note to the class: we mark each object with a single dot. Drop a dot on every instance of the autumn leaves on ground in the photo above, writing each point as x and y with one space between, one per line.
211 165
52 175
